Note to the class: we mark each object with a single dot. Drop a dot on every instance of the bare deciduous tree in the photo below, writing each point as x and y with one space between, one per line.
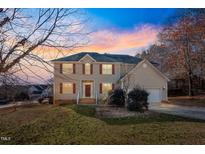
183 37
24 31
127 83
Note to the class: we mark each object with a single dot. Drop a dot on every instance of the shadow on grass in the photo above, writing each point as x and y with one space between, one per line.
90 111
156 118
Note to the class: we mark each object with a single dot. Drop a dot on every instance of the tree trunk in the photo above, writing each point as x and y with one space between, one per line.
188 66
190 84
201 70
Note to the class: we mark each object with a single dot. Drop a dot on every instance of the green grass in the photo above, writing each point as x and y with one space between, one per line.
86 110
73 124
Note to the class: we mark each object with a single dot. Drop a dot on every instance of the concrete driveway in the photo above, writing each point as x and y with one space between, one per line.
184 111
17 104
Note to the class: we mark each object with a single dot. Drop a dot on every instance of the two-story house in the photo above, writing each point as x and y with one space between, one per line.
88 76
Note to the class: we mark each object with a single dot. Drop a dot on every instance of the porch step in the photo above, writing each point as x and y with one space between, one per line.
87 101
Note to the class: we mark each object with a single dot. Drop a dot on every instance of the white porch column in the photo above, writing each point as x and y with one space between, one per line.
122 84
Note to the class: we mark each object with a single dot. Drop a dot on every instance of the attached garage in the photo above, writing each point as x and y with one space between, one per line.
155 95
148 77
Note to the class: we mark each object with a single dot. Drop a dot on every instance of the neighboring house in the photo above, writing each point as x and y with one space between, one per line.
87 77
35 91
48 92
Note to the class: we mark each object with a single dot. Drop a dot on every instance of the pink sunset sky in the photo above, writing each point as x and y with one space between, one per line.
112 32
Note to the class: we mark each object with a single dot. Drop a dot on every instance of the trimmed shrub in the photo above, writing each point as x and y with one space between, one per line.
117 97
137 100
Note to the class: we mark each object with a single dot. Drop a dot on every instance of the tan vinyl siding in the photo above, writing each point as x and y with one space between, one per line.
146 78
79 76
143 77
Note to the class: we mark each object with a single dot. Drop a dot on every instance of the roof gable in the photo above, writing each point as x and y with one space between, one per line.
87 58
151 65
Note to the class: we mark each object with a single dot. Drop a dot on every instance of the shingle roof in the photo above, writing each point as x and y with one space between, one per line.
40 87
101 57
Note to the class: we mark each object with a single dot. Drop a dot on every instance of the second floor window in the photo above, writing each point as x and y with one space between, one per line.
107 69
87 68
67 68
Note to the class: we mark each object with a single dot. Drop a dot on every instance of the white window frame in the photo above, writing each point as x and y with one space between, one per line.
65 70
106 70
87 66
69 92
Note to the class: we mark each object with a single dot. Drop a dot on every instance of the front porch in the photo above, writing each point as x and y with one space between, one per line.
87 93
87 89
87 101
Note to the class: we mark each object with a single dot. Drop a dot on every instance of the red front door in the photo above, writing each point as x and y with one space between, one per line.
87 90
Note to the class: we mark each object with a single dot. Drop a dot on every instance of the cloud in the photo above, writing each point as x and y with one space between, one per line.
113 41
107 40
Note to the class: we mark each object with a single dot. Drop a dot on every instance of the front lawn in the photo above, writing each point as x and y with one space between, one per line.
73 124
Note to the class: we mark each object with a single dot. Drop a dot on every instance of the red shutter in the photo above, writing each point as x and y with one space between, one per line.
100 68
74 88
100 88
61 68
73 68
83 68
113 86
61 88
91 68
113 68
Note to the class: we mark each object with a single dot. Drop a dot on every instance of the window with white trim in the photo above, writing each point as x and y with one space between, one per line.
106 87
67 68
67 88
87 68
106 68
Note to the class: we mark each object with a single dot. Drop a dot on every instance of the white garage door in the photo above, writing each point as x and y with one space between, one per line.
154 96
